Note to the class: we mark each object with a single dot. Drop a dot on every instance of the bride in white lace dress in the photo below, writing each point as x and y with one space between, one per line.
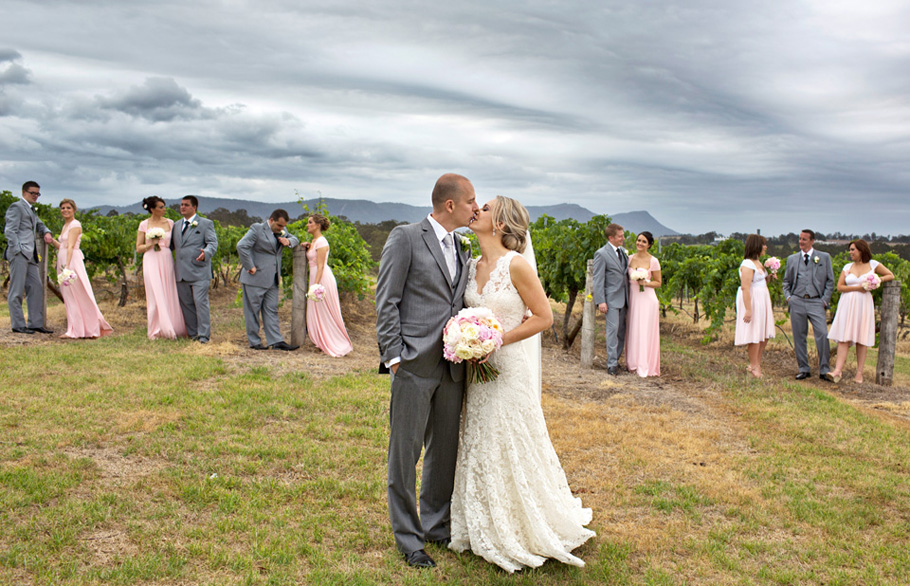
512 504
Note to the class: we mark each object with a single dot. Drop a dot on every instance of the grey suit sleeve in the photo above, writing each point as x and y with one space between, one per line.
789 273
394 265
11 230
210 239
245 248
295 242
829 280
598 282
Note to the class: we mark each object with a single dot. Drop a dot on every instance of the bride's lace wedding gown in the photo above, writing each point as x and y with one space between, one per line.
512 504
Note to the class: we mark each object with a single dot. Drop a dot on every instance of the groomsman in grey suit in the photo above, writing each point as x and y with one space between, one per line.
260 254
421 284
194 242
611 292
22 224
808 284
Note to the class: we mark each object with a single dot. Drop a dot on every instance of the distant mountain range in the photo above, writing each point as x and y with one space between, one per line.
363 211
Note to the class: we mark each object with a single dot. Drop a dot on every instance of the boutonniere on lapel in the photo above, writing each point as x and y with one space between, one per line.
465 244
284 234
815 259
194 224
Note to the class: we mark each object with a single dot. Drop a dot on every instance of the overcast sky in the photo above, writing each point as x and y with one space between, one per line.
724 115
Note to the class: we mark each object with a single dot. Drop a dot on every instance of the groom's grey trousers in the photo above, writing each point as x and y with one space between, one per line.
432 404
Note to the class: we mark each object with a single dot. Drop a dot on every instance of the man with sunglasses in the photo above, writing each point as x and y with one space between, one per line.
22 225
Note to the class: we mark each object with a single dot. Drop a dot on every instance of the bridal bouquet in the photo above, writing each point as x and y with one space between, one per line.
871 281
473 335
773 264
66 277
640 275
316 292
155 234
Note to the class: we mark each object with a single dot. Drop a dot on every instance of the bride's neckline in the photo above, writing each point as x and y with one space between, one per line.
480 289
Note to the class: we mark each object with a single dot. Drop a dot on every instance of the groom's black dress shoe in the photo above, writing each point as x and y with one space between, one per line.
419 559
23 331
803 375
283 346
42 330
614 370
258 347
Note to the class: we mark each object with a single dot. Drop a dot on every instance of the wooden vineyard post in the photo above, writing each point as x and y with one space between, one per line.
588 320
301 285
887 339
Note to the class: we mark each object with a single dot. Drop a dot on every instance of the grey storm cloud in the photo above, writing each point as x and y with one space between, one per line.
159 99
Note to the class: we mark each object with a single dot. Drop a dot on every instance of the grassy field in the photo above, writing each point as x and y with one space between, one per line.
125 461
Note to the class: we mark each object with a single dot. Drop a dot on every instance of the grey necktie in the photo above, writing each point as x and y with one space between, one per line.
448 247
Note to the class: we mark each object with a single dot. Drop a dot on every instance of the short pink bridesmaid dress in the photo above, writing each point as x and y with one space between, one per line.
854 321
761 327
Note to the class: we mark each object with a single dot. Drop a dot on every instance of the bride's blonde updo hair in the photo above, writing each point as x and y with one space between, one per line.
515 221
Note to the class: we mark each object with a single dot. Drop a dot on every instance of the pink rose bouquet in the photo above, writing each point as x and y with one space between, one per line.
66 277
773 264
316 292
871 281
473 335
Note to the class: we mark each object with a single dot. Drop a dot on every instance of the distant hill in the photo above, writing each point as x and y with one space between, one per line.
369 212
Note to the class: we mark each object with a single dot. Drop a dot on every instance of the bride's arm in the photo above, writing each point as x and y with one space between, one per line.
528 285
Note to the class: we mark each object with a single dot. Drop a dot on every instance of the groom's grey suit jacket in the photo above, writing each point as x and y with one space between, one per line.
415 298
22 223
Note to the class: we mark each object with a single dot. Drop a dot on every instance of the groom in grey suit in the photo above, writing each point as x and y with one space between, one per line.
421 285
194 242
260 254
611 292
808 284
22 223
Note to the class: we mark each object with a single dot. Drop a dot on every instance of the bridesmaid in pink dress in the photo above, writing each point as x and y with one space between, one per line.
324 323
643 323
754 314
854 322
164 314
83 318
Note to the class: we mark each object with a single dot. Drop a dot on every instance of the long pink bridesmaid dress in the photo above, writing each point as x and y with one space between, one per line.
83 318
324 323
164 314
643 328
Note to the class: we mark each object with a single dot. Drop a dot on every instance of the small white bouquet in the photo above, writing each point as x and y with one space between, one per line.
155 235
473 335
773 264
871 281
66 277
316 292
641 276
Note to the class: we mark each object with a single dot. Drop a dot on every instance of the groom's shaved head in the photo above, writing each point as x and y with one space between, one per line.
450 186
